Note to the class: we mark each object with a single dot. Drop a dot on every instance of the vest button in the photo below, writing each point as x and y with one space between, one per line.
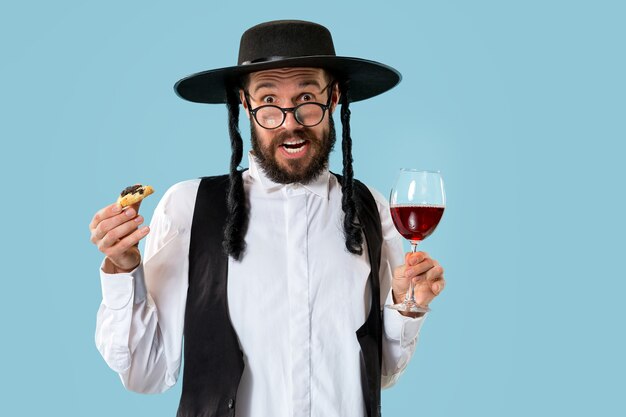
231 403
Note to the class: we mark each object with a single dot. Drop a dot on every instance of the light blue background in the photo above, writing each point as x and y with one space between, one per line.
519 103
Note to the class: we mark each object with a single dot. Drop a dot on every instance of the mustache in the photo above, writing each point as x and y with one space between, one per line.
304 134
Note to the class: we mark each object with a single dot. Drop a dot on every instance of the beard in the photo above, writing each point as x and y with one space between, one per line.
303 172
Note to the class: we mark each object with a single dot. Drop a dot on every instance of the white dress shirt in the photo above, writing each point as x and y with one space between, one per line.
295 301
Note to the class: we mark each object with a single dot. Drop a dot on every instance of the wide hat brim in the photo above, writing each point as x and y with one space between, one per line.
365 79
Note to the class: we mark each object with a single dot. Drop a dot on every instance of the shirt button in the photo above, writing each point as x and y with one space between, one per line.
231 403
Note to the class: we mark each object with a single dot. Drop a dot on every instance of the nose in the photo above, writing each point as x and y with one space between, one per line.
290 122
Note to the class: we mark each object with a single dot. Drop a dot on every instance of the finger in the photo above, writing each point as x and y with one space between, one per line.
438 286
427 279
109 224
414 258
420 268
127 242
434 274
104 213
119 232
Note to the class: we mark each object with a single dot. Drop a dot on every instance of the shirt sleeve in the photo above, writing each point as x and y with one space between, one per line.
139 326
401 333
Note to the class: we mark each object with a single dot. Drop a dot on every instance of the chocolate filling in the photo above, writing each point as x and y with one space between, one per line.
131 190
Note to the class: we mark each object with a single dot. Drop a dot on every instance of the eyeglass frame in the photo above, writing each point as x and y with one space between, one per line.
285 110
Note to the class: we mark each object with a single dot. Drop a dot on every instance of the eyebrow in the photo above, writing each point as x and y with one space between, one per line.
272 85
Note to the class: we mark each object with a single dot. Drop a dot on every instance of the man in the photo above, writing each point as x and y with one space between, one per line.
276 276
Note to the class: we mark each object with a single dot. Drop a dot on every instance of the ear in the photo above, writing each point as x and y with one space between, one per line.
335 99
244 103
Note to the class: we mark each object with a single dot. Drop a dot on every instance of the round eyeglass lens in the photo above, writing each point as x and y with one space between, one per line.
309 114
270 117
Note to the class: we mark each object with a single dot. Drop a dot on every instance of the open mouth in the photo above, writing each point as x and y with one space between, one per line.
294 146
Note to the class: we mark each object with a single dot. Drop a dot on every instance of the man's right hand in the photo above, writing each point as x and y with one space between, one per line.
116 233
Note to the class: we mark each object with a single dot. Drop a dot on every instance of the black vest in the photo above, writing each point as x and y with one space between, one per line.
213 359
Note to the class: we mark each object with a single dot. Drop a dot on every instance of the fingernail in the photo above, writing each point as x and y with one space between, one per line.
139 219
130 212
117 208
145 230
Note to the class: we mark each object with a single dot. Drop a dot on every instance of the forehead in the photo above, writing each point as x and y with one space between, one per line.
287 78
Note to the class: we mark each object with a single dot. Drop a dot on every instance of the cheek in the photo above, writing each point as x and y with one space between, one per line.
264 139
321 133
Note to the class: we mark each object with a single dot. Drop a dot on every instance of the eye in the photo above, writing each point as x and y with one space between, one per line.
306 97
268 100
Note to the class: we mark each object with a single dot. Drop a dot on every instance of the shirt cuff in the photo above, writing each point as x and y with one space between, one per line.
118 289
401 328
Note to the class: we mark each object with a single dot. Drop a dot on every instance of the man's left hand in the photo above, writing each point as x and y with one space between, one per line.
427 276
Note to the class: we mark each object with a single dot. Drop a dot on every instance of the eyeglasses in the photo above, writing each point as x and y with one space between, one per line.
307 114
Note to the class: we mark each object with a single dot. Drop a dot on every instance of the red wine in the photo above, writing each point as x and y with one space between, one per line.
416 222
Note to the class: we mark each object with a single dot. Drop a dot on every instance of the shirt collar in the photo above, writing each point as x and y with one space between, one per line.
319 186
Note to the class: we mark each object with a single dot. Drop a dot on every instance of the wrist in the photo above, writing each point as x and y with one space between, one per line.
109 267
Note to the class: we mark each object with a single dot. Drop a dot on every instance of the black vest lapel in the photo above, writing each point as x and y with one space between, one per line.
213 359
370 334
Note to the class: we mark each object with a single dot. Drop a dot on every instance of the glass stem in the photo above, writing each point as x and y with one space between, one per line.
410 296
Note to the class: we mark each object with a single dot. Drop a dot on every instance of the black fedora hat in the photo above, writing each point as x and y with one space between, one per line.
289 43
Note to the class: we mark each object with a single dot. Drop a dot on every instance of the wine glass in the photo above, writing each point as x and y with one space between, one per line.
417 203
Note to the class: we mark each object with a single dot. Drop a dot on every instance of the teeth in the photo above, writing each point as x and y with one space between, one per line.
289 145
295 150
294 142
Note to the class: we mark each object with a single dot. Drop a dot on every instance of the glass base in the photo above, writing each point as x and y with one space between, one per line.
408 306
